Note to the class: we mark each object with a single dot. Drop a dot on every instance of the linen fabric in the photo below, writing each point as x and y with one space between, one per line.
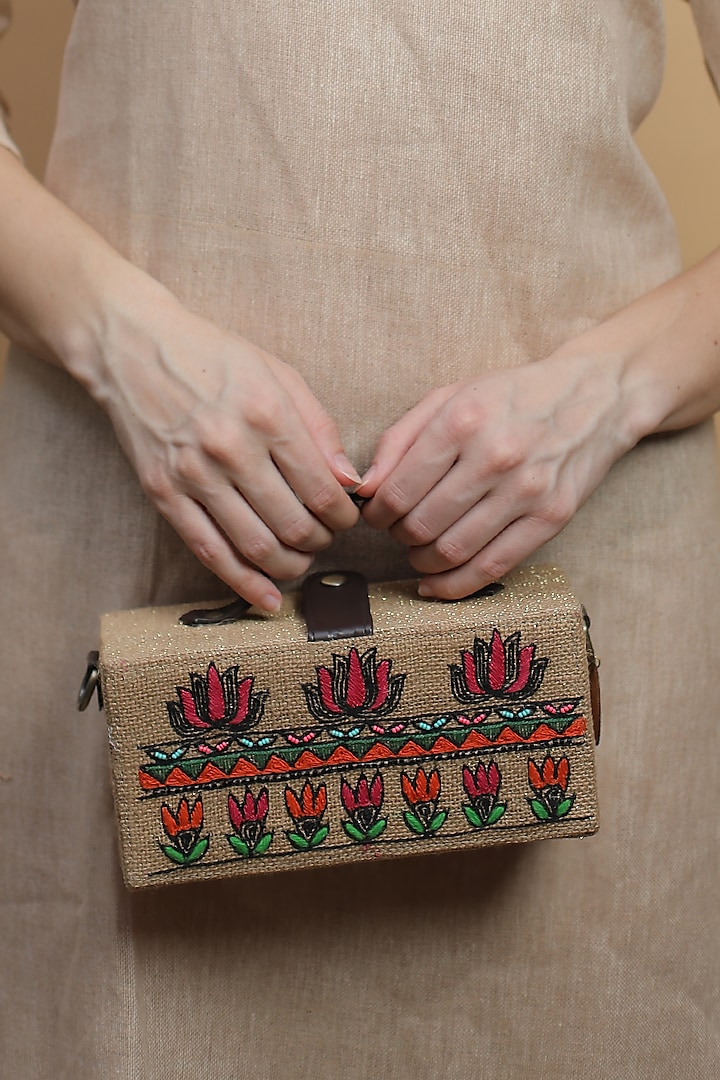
390 197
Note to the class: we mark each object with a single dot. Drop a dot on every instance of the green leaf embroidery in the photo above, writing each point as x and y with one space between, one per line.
353 832
473 817
539 810
319 836
414 823
263 844
438 821
377 829
199 850
298 841
364 837
173 854
565 806
496 813
240 846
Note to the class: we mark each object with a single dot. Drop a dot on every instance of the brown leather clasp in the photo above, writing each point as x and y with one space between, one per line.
336 605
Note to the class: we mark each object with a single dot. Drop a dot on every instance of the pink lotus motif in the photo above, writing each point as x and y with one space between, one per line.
248 820
216 702
363 804
357 686
483 789
497 668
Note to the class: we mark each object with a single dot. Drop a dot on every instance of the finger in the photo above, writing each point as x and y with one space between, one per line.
214 551
465 538
267 497
305 470
252 538
506 551
324 432
274 464
463 487
228 475
397 440
424 465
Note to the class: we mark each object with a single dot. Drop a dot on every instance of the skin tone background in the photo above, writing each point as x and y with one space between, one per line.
681 138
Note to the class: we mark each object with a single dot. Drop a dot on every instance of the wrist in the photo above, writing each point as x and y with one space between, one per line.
110 319
669 340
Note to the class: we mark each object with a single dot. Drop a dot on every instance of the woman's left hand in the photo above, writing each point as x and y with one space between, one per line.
479 474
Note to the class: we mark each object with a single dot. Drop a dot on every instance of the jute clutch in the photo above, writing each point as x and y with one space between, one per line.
357 723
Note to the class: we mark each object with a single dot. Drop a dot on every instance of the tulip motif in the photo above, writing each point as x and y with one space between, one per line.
307 810
498 668
549 782
216 702
483 789
363 804
183 829
248 820
357 686
422 795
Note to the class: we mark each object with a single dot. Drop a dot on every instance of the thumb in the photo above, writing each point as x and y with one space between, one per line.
396 441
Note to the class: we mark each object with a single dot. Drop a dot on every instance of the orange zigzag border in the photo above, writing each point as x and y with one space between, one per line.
378 752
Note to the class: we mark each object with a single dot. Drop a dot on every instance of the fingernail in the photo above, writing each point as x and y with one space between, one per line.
347 468
424 590
368 476
271 602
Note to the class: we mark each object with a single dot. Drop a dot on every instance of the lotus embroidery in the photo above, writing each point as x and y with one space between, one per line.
216 702
356 686
248 820
550 781
422 795
483 789
363 804
183 829
498 669
306 811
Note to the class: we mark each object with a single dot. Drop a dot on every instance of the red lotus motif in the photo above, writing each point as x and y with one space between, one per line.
356 686
484 781
183 829
363 804
550 782
216 702
497 668
483 788
248 821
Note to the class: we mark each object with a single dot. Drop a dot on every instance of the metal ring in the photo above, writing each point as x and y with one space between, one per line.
90 684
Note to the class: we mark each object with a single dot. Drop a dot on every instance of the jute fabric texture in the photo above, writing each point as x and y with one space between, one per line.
390 197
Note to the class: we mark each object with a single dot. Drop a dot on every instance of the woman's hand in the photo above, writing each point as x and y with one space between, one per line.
228 442
480 474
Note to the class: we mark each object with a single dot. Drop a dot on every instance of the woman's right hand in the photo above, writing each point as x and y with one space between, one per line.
228 442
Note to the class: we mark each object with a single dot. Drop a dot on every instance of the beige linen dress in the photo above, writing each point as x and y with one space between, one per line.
390 196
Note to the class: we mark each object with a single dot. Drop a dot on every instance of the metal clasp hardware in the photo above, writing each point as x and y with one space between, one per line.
90 684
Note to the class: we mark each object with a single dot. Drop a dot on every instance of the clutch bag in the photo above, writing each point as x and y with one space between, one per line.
360 722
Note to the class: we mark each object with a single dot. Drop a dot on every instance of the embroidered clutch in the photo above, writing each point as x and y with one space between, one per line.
357 723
